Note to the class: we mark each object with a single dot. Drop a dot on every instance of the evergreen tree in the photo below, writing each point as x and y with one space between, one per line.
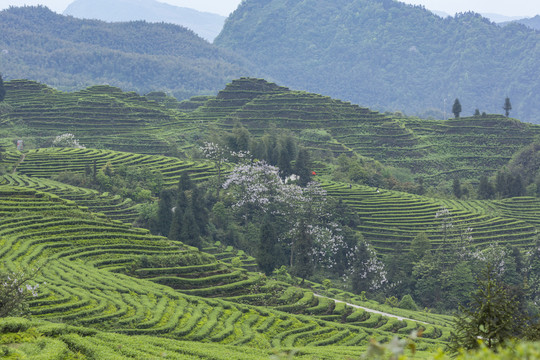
427 287
302 264
178 217
2 89
185 182
458 285
485 188
492 315
165 213
516 186
200 211
476 112
302 167
456 108
284 161
507 106
456 188
420 246
268 255
190 233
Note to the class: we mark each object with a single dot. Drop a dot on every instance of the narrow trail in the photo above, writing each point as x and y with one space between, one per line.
19 163
373 311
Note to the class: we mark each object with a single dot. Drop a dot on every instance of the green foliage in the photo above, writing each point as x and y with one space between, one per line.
492 315
16 292
420 246
408 303
391 301
302 265
456 108
269 255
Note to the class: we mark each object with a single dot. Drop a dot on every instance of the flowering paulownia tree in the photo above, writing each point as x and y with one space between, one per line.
258 190
67 140
14 293
367 271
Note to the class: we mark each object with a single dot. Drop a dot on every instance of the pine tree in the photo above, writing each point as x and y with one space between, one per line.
284 161
190 233
200 211
456 188
507 106
302 167
485 188
456 108
165 214
177 222
302 264
268 253
185 182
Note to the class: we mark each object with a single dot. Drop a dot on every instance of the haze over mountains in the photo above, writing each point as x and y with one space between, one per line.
386 55
390 55
204 24
70 53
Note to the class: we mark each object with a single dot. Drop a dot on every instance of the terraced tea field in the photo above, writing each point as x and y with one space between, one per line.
390 219
103 274
106 117
100 116
47 162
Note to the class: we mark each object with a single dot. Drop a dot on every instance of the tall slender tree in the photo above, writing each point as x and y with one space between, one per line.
507 106
165 213
268 255
302 261
302 167
456 108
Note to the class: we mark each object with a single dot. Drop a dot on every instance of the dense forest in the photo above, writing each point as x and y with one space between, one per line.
70 53
389 55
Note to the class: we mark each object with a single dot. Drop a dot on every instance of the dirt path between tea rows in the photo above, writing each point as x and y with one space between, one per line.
373 311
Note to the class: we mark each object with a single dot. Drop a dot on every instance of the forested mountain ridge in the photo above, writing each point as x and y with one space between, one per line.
207 25
533 23
70 53
389 55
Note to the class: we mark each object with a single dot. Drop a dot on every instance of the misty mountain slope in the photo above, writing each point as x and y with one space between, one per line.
69 53
390 56
533 23
206 25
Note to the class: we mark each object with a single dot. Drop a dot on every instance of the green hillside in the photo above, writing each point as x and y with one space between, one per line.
389 55
106 276
436 150
71 54
108 118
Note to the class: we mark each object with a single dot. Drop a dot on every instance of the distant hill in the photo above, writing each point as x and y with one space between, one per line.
533 23
69 54
389 55
206 25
